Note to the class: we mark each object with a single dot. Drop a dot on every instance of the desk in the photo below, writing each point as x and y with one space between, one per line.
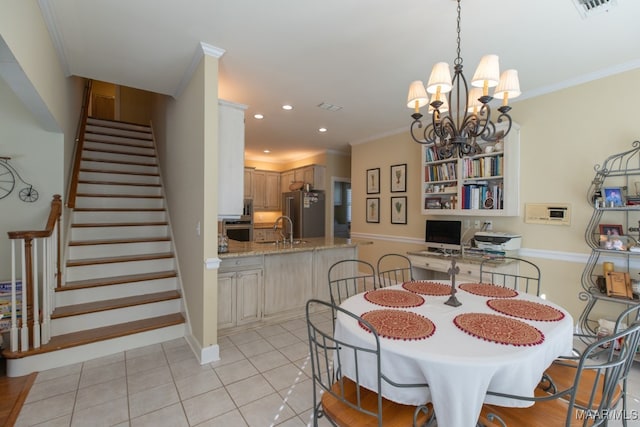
458 367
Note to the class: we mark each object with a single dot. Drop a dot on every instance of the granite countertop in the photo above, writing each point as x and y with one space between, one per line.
239 249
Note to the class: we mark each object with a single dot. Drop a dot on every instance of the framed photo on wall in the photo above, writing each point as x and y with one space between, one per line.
373 209
399 210
399 178
373 181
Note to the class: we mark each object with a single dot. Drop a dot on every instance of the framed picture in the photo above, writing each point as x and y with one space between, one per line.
613 197
432 203
399 210
611 230
615 242
399 178
373 209
373 181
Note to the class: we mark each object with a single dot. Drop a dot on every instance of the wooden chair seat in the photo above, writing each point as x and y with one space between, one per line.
544 413
393 414
563 375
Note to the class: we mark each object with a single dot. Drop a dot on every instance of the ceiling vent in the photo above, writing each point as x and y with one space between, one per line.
329 107
587 8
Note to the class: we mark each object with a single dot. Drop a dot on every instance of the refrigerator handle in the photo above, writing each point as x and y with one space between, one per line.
288 201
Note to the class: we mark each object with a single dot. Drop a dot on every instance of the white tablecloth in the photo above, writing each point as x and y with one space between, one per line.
458 367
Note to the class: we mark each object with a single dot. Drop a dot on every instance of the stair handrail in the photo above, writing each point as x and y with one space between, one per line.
79 144
35 330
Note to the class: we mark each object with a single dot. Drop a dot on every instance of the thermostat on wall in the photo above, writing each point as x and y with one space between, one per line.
547 213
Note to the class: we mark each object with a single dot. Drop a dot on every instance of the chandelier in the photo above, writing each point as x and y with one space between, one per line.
460 115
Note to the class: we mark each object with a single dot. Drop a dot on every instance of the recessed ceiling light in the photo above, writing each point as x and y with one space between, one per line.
258 116
287 107
266 151
322 130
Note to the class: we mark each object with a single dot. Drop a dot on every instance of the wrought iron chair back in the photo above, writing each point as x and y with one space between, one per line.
349 277
393 269
525 279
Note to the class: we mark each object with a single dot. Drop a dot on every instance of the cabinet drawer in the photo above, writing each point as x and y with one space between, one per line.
435 264
240 263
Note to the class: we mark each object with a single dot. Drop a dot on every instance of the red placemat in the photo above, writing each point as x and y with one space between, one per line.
488 290
499 329
393 298
526 309
426 287
399 324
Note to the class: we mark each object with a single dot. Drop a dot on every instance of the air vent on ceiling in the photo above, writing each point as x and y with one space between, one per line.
587 8
329 107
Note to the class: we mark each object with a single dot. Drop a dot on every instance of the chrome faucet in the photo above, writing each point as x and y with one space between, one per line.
275 227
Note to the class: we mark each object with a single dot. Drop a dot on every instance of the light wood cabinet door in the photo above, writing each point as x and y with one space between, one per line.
288 282
248 183
226 300
272 191
286 178
248 296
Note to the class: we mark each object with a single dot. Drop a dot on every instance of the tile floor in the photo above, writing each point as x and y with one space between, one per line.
261 380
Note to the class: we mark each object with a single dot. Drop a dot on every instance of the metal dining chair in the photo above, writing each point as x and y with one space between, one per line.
598 373
344 401
526 278
563 370
349 277
393 269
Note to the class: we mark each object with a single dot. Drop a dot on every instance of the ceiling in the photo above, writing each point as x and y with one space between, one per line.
360 55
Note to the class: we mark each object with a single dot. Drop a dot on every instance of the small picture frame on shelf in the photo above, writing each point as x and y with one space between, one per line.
432 203
373 209
399 178
615 242
613 197
399 210
611 230
373 181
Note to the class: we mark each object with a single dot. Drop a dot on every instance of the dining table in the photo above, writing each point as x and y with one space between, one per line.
497 339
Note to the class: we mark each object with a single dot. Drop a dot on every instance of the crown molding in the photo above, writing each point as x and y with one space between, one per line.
202 50
50 20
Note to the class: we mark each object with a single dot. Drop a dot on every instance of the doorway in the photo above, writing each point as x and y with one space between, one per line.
341 189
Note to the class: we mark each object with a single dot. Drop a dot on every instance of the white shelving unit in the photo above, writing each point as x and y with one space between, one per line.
485 184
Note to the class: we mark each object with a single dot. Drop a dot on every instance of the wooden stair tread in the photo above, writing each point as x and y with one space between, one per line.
119 172
116 280
119 241
118 162
116 124
118 224
126 196
126 153
119 210
111 260
131 184
111 304
100 334
89 135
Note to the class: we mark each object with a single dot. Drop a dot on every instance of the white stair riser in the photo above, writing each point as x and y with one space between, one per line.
100 271
107 166
85 217
139 190
99 293
66 325
108 126
132 232
118 157
123 146
68 356
121 249
119 202
119 177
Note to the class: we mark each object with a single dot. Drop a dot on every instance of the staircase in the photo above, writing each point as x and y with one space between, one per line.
121 287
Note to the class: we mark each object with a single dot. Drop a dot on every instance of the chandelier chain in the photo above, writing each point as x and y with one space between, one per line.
458 60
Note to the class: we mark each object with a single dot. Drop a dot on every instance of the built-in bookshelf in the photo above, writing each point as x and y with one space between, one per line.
485 184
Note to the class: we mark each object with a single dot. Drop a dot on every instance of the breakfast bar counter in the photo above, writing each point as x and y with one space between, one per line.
240 249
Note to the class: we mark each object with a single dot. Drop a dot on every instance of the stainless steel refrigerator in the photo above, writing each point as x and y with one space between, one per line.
306 210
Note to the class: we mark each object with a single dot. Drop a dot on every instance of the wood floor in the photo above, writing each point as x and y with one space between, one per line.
13 391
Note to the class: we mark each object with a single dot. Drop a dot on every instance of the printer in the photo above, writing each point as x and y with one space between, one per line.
498 242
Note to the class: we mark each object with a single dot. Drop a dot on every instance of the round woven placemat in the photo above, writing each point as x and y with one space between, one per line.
526 309
499 329
426 287
399 324
393 298
488 290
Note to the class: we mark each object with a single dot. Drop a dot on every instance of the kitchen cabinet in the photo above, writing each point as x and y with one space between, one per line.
248 183
266 234
266 190
240 285
286 179
230 159
288 282
312 174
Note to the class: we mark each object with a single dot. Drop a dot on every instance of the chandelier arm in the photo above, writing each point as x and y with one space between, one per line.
427 134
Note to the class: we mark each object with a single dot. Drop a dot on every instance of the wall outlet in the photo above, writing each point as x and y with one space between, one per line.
489 225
